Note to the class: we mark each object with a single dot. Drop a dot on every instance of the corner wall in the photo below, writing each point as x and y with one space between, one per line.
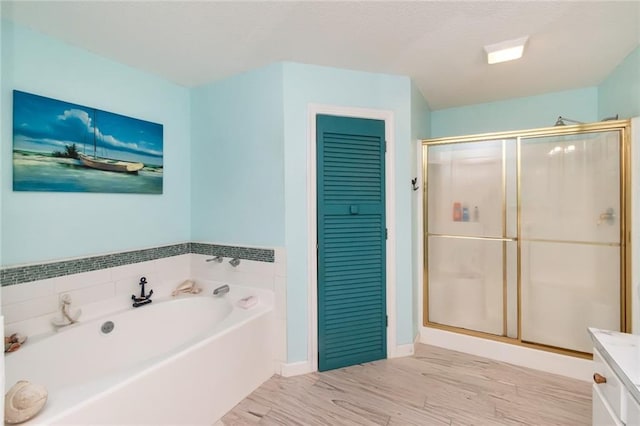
2 376
237 160
420 129
45 226
619 93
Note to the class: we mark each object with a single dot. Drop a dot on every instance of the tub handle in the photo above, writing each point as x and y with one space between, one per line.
222 290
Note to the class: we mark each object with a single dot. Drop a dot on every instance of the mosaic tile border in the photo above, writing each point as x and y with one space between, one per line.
23 274
248 253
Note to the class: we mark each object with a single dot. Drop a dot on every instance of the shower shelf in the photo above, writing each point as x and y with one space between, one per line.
470 229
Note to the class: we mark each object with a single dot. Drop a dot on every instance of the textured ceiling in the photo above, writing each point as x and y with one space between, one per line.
438 44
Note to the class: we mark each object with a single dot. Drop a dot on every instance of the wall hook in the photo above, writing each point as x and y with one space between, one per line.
413 184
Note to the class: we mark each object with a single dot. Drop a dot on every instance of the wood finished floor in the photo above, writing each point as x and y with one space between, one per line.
434 387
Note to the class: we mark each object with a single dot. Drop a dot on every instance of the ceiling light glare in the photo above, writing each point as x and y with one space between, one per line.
506 50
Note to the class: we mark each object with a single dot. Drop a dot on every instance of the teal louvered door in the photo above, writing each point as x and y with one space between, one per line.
351 241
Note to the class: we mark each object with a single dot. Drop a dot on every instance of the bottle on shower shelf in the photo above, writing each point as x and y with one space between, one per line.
457 212
465 214
476 214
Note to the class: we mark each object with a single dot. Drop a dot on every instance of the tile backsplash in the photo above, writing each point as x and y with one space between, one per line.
22 274
248 253
28 273
31 294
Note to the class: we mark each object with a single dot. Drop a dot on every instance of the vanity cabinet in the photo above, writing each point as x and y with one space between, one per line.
633 412
608 394
616 367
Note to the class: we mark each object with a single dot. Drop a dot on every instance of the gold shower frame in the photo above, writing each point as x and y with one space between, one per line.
624 129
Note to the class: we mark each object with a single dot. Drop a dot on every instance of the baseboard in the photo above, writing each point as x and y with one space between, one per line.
403 350
304 367
295 368
564 365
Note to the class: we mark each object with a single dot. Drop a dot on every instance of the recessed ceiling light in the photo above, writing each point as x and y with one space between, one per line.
505 50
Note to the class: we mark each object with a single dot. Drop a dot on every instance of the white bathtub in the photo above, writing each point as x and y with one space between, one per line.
175 361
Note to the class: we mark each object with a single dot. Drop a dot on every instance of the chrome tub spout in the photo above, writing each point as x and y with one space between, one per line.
221 291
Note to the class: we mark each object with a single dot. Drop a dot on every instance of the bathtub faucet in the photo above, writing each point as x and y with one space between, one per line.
142 299
221 291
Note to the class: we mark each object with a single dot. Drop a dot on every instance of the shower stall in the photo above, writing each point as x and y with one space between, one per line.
526 237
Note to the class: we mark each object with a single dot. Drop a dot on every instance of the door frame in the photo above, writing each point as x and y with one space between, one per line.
312 219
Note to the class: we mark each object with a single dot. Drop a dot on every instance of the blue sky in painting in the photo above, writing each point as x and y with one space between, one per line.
46 125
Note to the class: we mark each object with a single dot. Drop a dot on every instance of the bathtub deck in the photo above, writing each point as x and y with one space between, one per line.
434 387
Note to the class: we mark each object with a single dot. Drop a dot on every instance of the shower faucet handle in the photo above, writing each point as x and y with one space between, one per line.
607 216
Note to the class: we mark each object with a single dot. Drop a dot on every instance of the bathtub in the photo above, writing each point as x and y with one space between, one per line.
186 360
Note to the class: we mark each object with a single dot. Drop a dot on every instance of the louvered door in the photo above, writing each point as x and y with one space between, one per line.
351 241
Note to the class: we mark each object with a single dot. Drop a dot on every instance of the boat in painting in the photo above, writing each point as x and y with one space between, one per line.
107 164
110 165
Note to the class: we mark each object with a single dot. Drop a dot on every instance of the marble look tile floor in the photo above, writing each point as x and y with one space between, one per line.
433 387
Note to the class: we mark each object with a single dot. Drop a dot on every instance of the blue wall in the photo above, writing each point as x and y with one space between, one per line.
305 84
237 162
228 148
516 114
44 226
619 93
420 129
2 115
236 156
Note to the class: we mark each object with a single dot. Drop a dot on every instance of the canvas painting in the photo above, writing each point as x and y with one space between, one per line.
60 146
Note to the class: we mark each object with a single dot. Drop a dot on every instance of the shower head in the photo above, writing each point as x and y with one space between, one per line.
561 121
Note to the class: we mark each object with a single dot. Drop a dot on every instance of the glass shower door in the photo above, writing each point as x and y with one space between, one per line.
570 245
467 241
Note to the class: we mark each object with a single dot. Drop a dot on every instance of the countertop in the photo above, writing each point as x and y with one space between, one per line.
622 352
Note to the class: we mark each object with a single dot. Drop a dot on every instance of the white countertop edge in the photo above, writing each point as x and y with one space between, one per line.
621 351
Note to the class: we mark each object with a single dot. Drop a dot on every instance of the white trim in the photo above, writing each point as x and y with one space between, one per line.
564 365
404 350
295 368
389 121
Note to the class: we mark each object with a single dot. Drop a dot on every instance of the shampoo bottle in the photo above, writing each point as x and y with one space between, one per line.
457 212
465 214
